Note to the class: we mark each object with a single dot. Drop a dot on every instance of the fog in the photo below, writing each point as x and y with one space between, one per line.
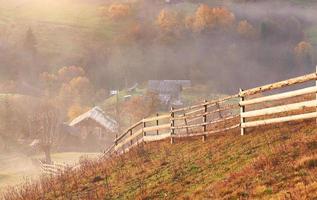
70 53
225 60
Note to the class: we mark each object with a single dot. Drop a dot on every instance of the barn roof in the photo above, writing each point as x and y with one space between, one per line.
164 86
97 115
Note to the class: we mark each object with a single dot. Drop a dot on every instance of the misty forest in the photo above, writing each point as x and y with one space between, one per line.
75 75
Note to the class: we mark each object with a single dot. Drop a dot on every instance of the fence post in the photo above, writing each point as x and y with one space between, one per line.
131 142
218 107
157 123
242 110
144 126
172 120
205 120
185 121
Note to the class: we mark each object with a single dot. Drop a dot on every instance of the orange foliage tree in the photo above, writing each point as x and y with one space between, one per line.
245 29
76 110
170 25
79 89
210 18
119 10
68 73
303 53
70 86
303 48
53 81
168 21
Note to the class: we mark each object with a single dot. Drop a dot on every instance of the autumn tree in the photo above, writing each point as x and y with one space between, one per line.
119 11
168 21
304 53
70 87
76 110
246 30
79 90
53 81
210 18
170 24
66 74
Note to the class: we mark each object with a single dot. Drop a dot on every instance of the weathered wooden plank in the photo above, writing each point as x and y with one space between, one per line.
193 112
212 102
110 149
281 96
136 134
194 119
167 116
206 123
151 138
127 131
279 120
279 109
187 116
293 81
197 134
155 128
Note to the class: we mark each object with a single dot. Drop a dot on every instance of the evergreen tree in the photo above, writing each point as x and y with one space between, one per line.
30 42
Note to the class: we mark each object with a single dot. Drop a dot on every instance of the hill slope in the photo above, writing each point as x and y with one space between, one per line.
272 162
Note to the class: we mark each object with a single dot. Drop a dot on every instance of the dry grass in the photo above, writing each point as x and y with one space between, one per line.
274 162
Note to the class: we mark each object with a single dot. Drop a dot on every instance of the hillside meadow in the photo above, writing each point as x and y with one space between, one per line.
276 162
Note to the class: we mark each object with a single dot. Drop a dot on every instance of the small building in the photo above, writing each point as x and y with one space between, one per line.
169 91
95 124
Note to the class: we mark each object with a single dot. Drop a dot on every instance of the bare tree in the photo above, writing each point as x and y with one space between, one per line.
45 124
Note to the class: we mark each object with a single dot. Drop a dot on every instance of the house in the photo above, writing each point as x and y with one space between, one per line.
95 123
169 91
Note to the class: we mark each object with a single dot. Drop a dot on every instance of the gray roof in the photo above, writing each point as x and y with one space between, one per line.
165 86
96 114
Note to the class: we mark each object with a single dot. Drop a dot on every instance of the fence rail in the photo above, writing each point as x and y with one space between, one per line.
285 108
241 110
53 169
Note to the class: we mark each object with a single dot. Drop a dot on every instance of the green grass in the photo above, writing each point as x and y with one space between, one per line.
266 163
112 100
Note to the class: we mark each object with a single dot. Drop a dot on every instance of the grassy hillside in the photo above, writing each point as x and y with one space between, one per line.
268 163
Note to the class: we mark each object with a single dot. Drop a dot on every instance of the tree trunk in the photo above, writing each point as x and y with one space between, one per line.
47 151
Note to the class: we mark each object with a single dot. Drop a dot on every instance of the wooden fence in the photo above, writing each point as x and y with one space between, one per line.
247 109
53 169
